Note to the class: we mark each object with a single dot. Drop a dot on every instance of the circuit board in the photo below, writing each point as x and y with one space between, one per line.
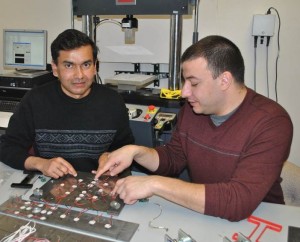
67 221
82 191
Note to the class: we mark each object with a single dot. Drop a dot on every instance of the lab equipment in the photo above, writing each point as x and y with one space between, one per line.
126 81
129 25
174 8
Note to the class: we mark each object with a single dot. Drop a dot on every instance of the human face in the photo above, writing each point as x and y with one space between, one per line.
203 93
76 70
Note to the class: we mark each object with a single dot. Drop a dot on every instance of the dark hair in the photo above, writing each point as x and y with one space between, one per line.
221 55
71 39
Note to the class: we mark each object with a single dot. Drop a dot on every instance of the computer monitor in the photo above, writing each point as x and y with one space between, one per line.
25 49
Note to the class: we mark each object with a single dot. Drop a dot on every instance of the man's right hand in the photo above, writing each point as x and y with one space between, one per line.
115 162
56 167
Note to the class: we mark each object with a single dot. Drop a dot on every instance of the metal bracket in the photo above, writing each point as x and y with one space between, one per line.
182 237
240 238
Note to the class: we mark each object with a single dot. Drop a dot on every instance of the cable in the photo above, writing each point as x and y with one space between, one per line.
267 69
20 235
255 50
110 21
278 49
151 222
97 22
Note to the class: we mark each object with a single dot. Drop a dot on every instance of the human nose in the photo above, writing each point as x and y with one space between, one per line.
79 72
186 90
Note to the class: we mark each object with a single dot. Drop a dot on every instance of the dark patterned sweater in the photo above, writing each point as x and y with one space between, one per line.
56 125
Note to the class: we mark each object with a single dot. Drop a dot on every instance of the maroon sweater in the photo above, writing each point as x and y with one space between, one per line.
239 161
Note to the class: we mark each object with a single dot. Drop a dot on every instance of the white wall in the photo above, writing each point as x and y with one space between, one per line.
53 15
231 18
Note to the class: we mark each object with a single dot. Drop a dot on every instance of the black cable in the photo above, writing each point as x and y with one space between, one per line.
267 69
278 49
267 63
255 48
96 20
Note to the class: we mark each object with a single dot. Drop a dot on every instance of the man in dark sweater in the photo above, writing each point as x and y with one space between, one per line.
232 140
64 126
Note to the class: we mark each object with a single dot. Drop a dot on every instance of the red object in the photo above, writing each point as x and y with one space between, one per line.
125 1
147 116
151 108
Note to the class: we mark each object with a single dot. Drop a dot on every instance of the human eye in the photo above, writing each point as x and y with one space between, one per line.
192 81
68 65
86 65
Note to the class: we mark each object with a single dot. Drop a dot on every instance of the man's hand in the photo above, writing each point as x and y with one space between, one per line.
114 162
132 188
55 167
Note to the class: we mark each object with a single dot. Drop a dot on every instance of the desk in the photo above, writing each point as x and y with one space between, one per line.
201 227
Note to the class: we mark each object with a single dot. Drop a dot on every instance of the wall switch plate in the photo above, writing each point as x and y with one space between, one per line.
263 25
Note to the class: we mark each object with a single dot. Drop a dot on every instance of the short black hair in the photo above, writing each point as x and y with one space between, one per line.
221 55
71 39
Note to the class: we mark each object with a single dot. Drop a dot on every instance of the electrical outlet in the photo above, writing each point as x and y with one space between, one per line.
263 25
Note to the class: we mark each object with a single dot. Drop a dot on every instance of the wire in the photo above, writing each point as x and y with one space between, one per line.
19 235
278 49
255 50
110 21
97 22
267 69
157 227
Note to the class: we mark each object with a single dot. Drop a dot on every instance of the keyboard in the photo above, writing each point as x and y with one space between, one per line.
8 105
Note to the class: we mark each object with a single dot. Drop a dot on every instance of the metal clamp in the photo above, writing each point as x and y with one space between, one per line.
182 237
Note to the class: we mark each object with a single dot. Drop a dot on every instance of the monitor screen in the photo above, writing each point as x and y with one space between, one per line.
25 49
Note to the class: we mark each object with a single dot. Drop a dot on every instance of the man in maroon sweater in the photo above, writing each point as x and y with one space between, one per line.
232 140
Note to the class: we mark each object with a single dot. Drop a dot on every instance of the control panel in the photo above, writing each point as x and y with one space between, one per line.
141 121
142 113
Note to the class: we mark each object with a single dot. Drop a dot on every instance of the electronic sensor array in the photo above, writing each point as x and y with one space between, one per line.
79 204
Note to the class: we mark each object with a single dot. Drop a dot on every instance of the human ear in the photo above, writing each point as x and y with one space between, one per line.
54 69
226 80
96 66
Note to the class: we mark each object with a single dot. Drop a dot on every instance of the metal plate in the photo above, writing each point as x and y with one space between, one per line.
68 220
82 192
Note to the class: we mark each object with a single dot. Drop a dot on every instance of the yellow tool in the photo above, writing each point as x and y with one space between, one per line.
169 94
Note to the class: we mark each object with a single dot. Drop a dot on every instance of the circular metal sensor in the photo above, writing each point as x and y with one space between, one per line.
38 192
115 204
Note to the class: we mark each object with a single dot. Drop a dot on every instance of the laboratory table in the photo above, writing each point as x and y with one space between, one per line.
268 223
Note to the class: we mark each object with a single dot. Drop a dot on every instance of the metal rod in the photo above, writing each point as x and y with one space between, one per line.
175 51
87 25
